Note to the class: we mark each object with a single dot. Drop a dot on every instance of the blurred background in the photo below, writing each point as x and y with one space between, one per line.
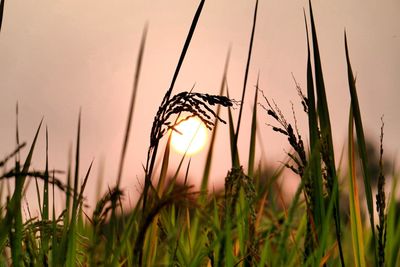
59 56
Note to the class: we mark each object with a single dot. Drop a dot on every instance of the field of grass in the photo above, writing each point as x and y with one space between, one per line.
245 224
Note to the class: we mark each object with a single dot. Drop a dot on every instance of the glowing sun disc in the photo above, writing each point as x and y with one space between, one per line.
191 138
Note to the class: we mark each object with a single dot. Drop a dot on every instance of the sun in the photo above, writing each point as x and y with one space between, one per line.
191 138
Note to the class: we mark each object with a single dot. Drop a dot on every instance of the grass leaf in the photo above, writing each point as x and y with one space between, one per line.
326 135
355 212
132 105
245 77
362 148
253 133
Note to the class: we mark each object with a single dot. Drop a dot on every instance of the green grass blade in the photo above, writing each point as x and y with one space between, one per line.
153 150
362 148
132 105
284 237
184 50
316 174
355 212
45 209
234 151
322 103
164 168
46 182
71 236
13 216
83 186
326 135
68 194
207 167
38 196
245 76
253 133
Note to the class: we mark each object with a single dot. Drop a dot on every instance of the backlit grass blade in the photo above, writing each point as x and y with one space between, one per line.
83 186
38 196
59 252
284 237
71 236
245 76
164 168
185 48
319 255
362 148
207 167
13 218
152 240
316 175
45 209
253 133
132 105
54 241
125 238
355 213
68 193
152 154
209 158
326 135
234 151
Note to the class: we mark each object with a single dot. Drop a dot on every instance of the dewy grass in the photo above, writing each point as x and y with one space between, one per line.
246 223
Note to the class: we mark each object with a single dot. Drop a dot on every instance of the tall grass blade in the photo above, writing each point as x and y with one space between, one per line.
355 212
288 222
326 135
132 104
71 236
13 218
68 194
153 150
207 167
164 168
362 148
316 175
253 133
234 151
17 155
83 186
381 207
185 48
209 158
45 209
54 242
245 76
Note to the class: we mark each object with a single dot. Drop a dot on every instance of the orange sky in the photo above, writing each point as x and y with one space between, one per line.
58 56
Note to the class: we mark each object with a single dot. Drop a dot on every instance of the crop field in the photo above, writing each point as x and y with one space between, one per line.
340 215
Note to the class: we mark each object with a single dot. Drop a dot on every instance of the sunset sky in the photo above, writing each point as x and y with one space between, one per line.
59 56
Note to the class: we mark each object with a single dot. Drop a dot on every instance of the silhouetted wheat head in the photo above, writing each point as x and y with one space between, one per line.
381 206
194 104
191 104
